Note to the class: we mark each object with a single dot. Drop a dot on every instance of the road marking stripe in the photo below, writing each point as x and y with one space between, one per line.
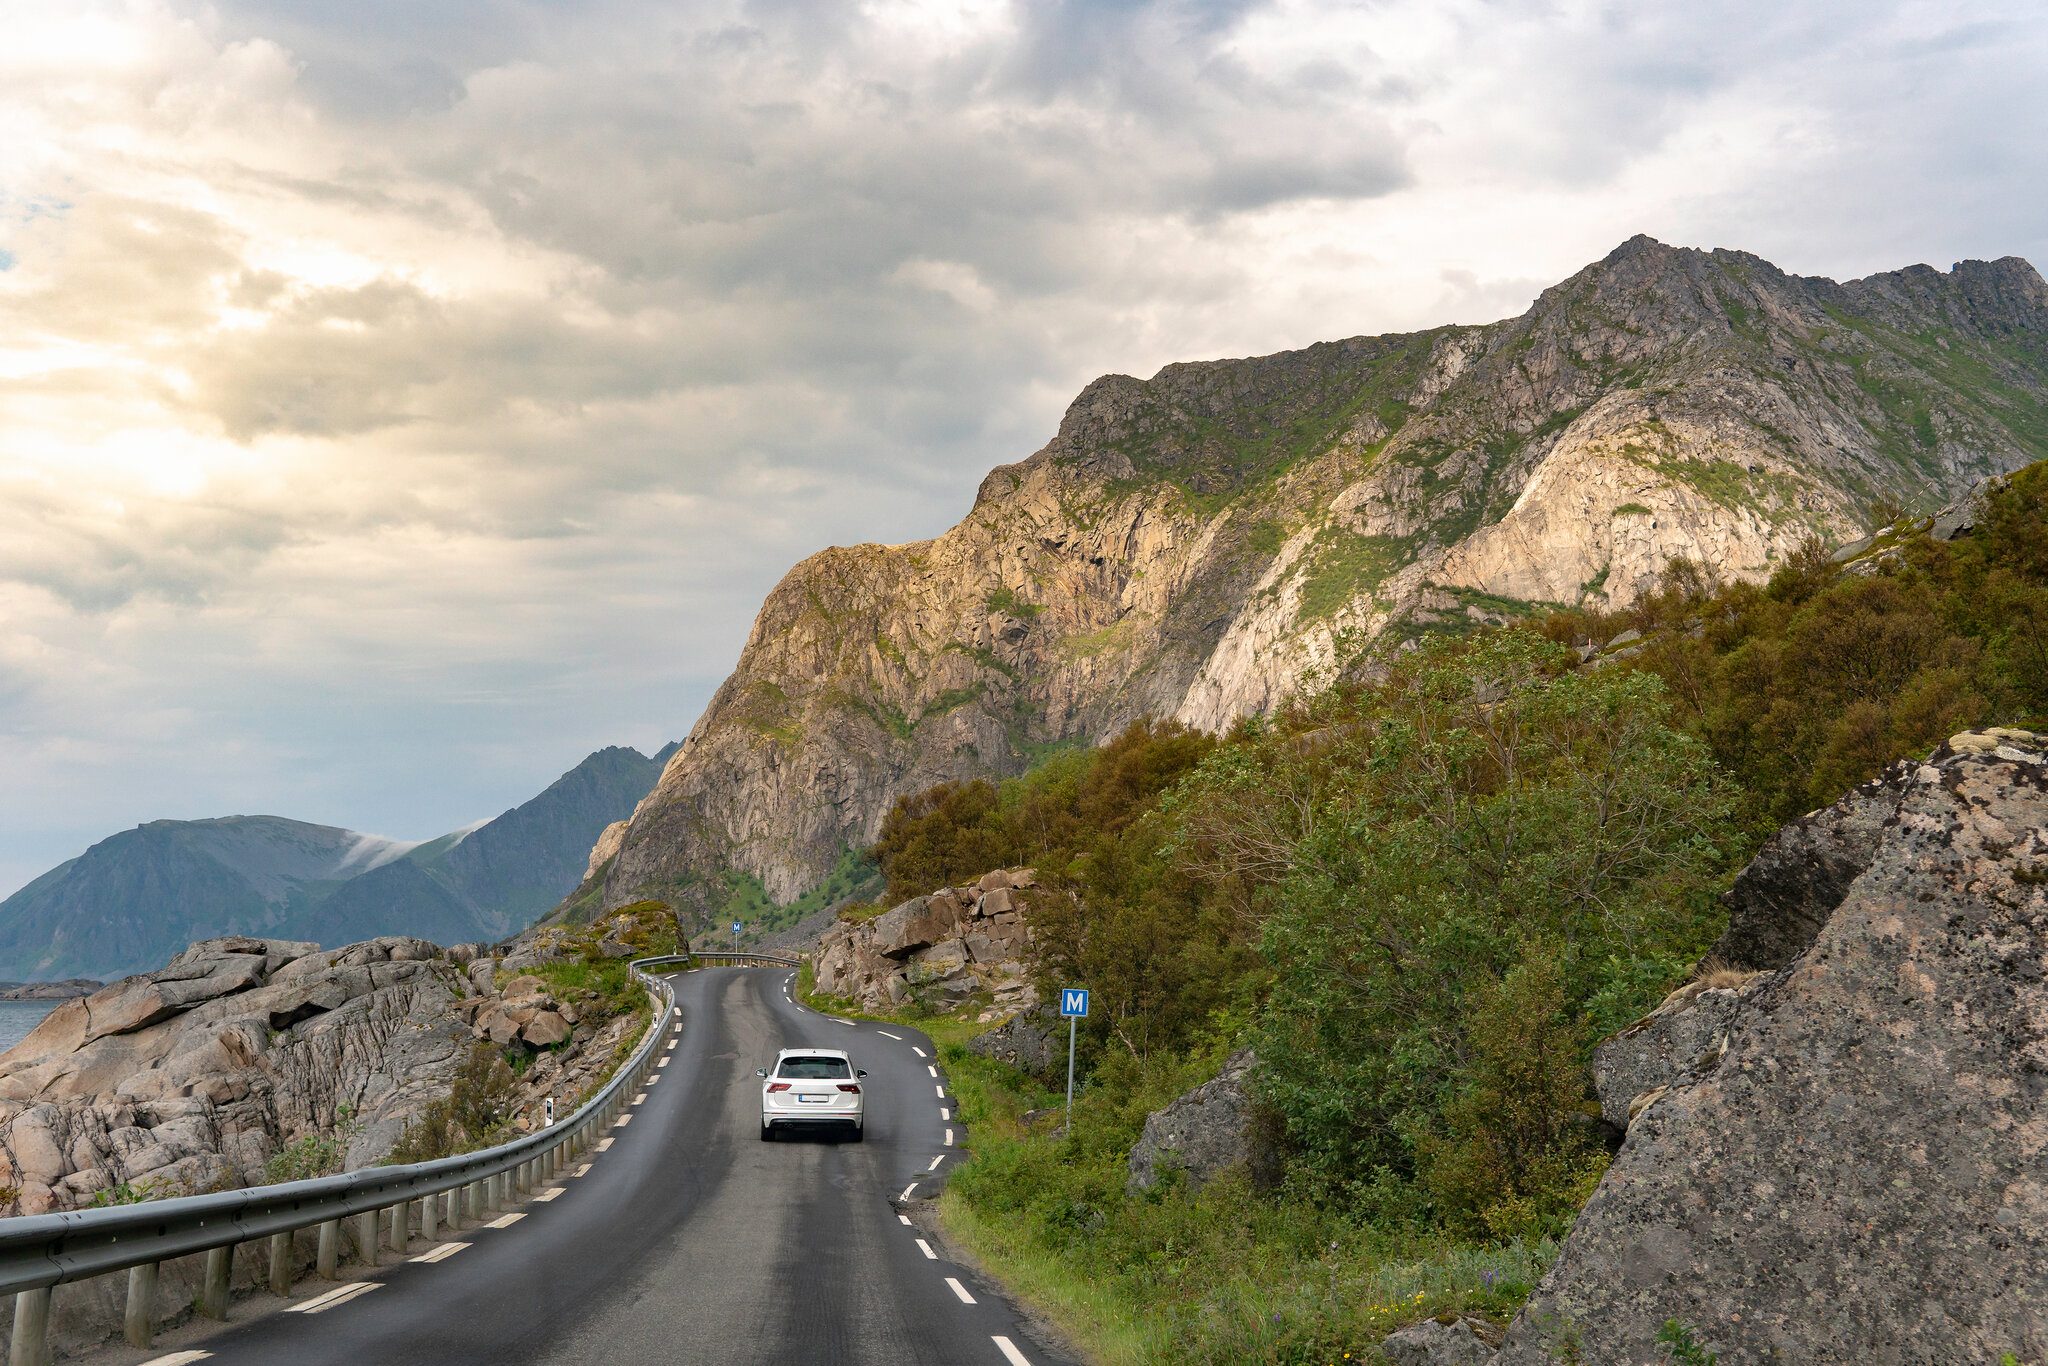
836 1020
926 1249
887 1035
549 1194
960 1290
945 1113
177 1359
622 1121
907 1190
652 1080
931 1071
941 1090
904 1219
949 1138
1010 1352
505 1220
640 1099
581 1170
441 1253
663 1063
679 1015
603 1143
919 1051
322 1303
935 1163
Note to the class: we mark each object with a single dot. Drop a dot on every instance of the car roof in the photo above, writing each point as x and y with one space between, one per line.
815 1052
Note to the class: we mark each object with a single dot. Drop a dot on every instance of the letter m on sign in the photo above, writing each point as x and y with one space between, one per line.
1074 1001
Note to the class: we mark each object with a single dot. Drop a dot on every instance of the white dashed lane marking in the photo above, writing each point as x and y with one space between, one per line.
926 1249
320 1304
177 1359
919 1051
652 1080
441 1253
945 1113
549 1194
907 1190
887 1035
640 1099
941 1091
836 1020
1010 1352
623 1120
935 1163
904 1219
960 1290
949 1138
582 1170
931 1071
505 1220
602 1144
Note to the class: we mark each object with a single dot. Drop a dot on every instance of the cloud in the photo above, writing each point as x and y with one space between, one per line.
384 387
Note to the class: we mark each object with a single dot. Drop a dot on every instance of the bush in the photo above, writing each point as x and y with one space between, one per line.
476 1113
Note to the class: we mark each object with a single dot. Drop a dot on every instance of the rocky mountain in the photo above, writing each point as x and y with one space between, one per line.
1199 544
136 898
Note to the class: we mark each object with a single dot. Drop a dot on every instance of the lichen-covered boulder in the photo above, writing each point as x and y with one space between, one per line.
1207 1131
1858 1174
1434 1342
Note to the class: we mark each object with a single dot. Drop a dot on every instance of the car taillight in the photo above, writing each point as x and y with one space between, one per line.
850 1086
775 1086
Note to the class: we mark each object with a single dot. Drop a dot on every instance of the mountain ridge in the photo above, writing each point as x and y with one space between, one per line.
1197 544
132 900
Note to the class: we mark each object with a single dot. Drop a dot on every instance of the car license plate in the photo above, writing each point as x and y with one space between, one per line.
812 1100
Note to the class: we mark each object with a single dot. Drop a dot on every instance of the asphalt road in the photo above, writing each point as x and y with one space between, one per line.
689 1240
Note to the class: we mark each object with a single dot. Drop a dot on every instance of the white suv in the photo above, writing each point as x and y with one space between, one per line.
811 1087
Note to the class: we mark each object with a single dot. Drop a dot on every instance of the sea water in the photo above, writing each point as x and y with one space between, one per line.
17 1018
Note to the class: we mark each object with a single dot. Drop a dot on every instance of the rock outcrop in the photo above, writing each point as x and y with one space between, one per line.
1853 1171
1435 1342
193 1077
1032 1041
1210 1130
936 950
1197 544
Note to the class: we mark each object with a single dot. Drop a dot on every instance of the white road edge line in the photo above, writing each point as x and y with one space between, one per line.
949 1138
931 1071
935 1163
321 1303
960 1290
623 1120
941 1090
177 1359
548 1194
640 1099
887 1035
907 1190
919 1051
441 1253
602 1144
582 1170
652 1080
926 1249
319 1299
1010 1352
506 1220
836 1020
945 1113
904 1219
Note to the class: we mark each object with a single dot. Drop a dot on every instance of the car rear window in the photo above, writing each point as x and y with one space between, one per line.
814 1069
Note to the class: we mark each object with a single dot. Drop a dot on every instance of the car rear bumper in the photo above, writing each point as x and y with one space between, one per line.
829 1119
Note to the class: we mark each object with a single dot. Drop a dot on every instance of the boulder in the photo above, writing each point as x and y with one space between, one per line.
546 1029
1967 511
1856 1176
916 924
1435 1342
483 974
1207 1131
1033 1041
997 901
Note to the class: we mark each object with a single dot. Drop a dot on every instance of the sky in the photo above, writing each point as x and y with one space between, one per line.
401 399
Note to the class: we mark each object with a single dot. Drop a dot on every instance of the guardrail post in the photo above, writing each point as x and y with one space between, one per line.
280 1264
330 1250
430 1217
213 1292
139 1325
366 1237
401 1227
31 1344
473 1202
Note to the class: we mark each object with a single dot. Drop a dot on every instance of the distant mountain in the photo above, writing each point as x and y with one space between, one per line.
135 899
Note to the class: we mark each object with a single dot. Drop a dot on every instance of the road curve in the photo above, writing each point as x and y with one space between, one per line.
691 1241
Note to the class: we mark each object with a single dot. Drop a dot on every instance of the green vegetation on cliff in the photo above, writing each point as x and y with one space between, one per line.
1424 895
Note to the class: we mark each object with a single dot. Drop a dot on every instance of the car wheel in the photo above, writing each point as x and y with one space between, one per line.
860 1132
767 1133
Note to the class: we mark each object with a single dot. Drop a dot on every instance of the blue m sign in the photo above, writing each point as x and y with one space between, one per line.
1073 1001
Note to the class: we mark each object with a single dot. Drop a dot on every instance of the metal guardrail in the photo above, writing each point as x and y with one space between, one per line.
743 959
43 1250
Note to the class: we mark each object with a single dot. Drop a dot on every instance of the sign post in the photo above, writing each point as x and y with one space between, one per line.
735 936
1073 1005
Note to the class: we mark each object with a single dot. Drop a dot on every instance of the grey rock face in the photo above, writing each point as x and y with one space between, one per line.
942 948
1032 1041
1963 514
1206 1131
1858 1177
1685 1033
1431 1343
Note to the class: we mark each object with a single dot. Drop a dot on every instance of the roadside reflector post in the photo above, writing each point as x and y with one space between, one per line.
1073 1005
213 1292
329 1258
31 1342
139 1324
280 1264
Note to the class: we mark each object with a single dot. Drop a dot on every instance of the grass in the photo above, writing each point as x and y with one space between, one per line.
1006 601
748 902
